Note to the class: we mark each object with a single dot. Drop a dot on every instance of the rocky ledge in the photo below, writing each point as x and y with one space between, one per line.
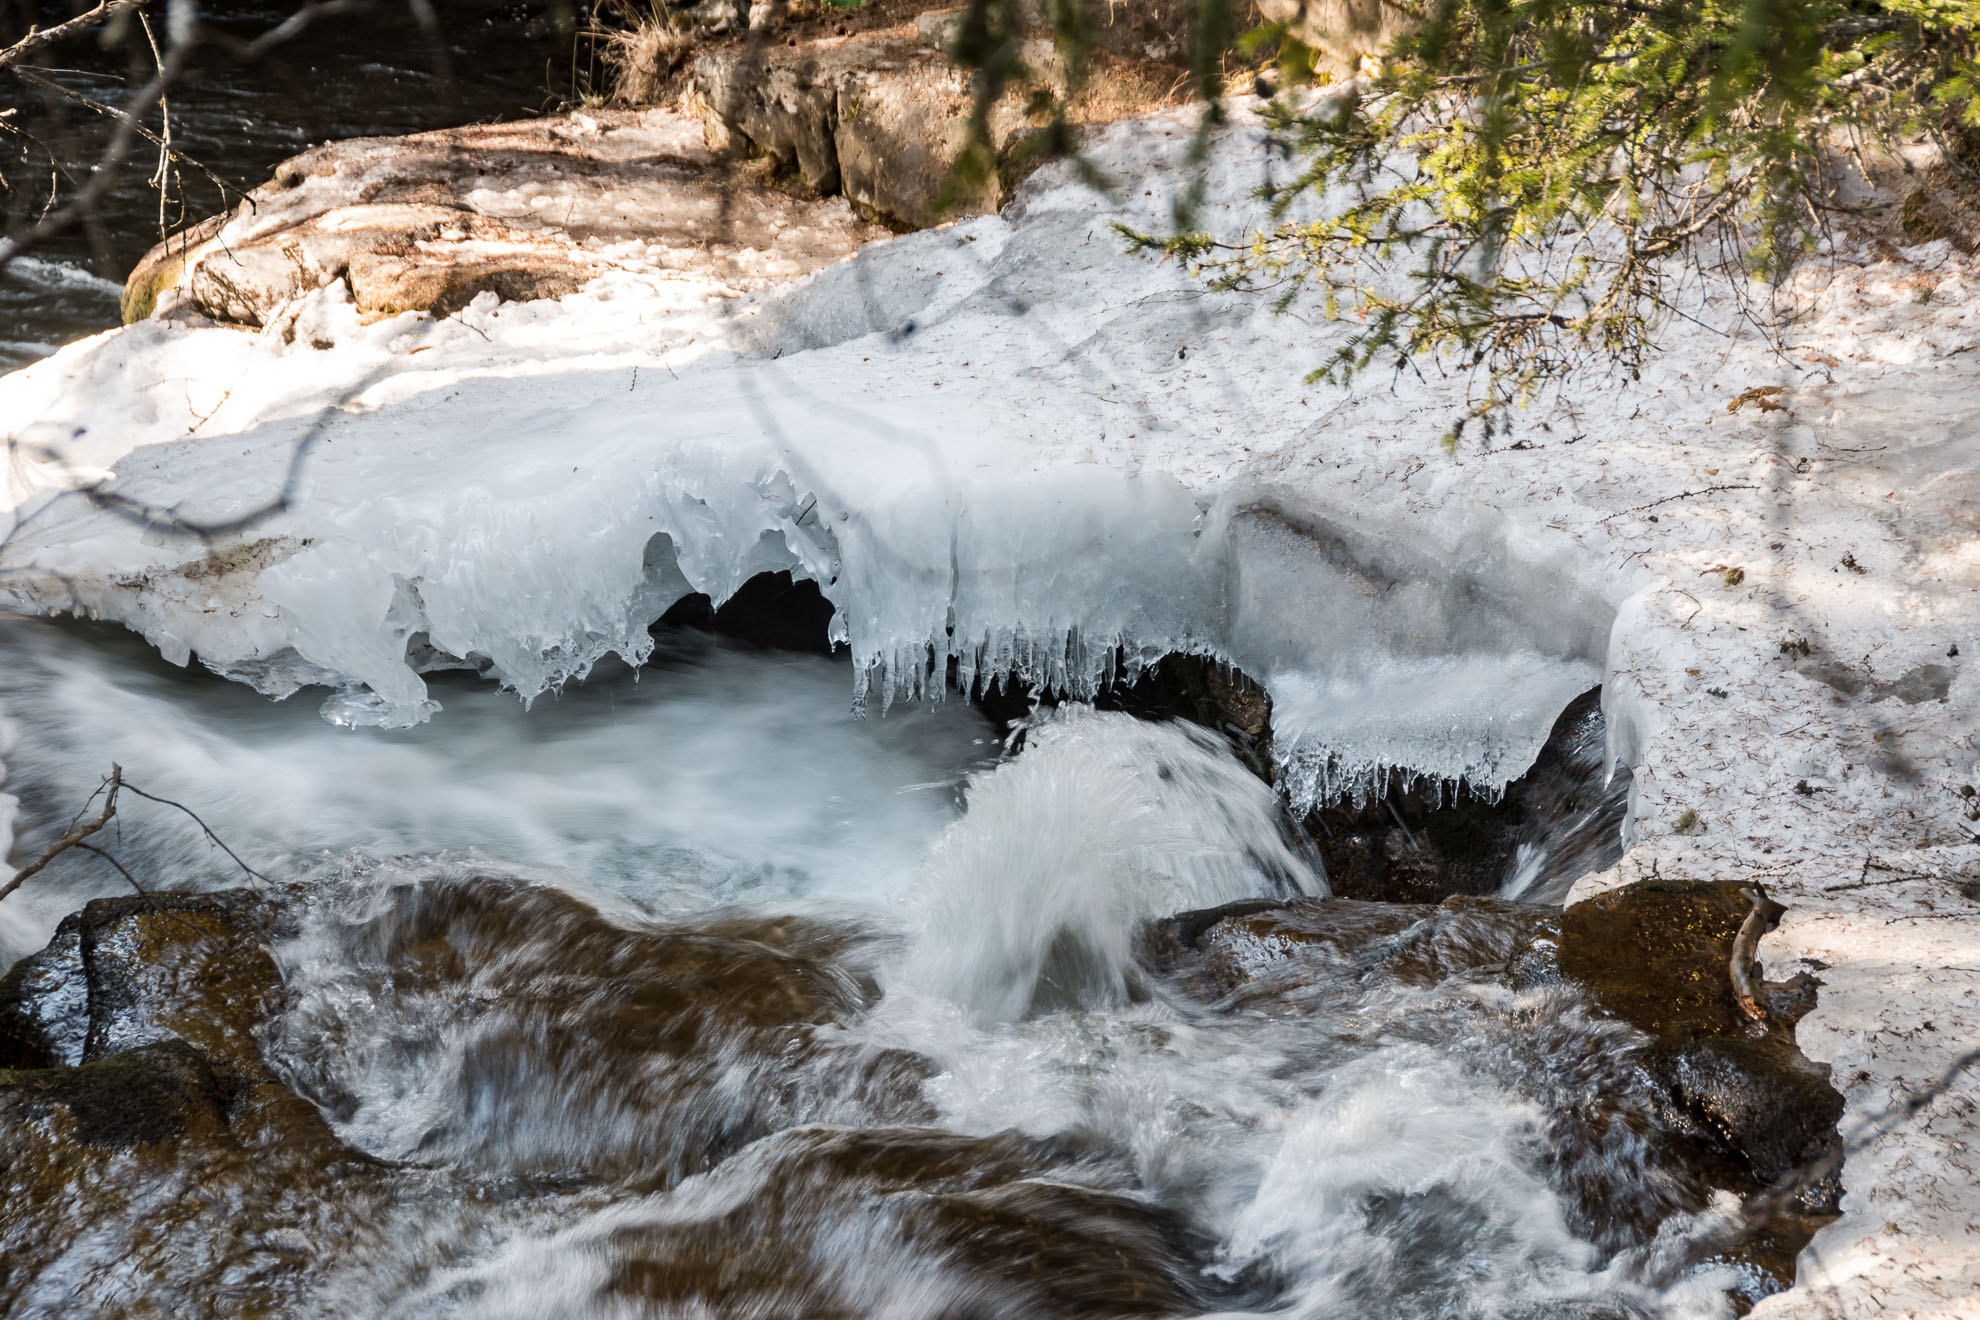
783 156
526 210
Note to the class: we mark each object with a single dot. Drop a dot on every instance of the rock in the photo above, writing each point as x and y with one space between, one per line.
1015 1222
670 1046
1205 692
1656 954
771 610
1349 38
44 1004
155 1093
884 118
523 210
150 1141
1265 947
1421 844
125 974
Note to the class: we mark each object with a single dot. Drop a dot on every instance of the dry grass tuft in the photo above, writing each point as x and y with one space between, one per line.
641 58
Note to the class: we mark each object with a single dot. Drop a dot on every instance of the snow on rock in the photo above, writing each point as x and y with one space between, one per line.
1007 442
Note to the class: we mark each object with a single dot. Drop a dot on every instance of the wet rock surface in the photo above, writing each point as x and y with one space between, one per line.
165 1116
1010 1211
671 1046
1726 1101
1267 948
1423 842
152 1107
1205 692
523 210
1659 955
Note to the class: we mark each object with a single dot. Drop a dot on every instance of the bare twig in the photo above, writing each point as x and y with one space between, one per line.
75 837
41 38
205 829
1681 495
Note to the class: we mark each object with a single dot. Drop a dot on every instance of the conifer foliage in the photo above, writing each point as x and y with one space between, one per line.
1518 189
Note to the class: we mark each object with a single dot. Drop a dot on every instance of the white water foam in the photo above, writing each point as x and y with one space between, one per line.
1035 898
722 774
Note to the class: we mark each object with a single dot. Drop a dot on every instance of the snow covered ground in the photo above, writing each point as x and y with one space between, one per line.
1008 441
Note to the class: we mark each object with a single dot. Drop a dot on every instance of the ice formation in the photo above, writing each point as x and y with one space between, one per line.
523 489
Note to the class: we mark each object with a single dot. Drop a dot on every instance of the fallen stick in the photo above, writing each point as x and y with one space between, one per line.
1746 987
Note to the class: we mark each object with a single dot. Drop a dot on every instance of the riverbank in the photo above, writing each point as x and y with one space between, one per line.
1771 560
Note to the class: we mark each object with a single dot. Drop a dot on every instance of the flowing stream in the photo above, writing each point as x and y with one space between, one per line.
687 993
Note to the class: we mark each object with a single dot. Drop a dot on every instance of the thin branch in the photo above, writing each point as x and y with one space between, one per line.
41 38
205 829
1682 495
34 78
105 176
76 835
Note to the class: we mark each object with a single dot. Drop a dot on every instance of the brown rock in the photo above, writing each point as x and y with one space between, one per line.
1266 947
524 210
1005 1217
1657 954
884 118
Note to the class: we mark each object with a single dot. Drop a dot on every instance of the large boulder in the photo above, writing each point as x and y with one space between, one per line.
884 118
524 210
142 1135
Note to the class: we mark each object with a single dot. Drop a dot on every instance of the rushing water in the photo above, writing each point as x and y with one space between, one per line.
371 71
686 993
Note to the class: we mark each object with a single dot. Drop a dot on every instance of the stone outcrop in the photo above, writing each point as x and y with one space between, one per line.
524 210
884 117
1348 38
538 208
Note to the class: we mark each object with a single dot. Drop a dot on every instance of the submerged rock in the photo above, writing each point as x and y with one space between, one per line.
1660 955
1628 1015
169 1164
1265 948
925 1221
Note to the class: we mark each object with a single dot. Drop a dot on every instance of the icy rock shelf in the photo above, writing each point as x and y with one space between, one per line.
524 489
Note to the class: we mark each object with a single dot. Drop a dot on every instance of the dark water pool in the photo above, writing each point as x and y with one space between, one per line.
355 74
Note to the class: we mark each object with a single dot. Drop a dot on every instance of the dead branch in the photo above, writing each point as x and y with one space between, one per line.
1681 495
204 828
41 38
1746 986
75 837
78 834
